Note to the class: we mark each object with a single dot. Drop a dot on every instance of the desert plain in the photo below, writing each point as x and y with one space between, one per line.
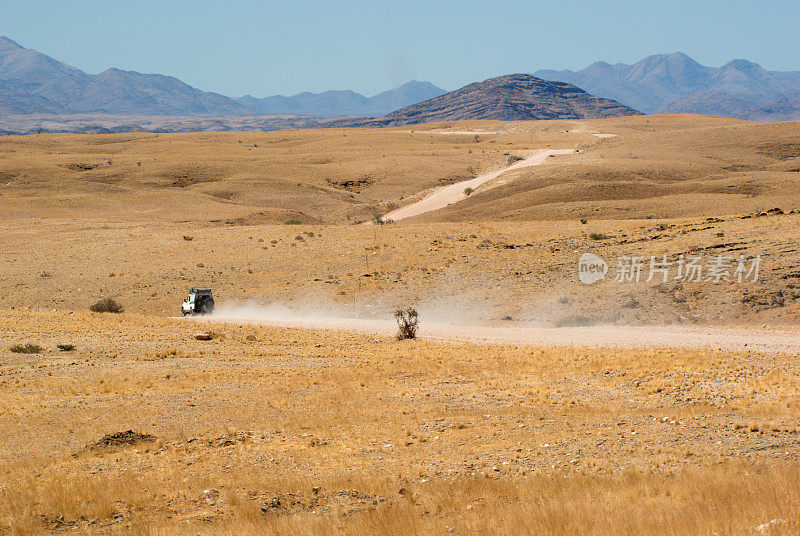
667 406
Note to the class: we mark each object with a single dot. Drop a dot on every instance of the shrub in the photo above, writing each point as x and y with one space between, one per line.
597 236
468 191
28 348
574 321
407 323
377 219
514 158
292 221
188 238
66 347
106 305
584 221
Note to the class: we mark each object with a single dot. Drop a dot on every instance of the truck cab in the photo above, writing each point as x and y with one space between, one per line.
199 301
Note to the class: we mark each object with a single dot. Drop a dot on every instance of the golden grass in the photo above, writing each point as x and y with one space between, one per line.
288 431
269 430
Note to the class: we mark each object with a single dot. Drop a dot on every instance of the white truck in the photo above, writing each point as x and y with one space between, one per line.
198 302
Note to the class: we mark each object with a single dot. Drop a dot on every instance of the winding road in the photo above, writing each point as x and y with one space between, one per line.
453 193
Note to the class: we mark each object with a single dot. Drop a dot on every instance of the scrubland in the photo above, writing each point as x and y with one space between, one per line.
125 423
276 430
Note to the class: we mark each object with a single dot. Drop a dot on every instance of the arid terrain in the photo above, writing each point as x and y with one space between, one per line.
531 403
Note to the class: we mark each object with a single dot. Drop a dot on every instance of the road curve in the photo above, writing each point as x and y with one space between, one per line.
453 193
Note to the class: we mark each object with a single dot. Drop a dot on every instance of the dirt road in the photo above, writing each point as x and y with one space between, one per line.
453 193
757 340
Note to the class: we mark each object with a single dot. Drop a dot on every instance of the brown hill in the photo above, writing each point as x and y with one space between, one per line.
514 97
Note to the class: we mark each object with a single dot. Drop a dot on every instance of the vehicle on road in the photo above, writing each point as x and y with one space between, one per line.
198 302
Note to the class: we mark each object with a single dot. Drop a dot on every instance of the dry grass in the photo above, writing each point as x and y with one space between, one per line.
286 431
293 431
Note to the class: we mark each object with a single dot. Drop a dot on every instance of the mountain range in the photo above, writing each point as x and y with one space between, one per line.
34 83
513 97
675 83
345 102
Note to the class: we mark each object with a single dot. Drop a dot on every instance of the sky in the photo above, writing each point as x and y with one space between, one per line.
263 48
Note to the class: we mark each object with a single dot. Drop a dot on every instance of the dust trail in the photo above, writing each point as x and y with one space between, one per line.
608 336
312 316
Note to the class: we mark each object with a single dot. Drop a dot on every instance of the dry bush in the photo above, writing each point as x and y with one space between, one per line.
107 305
407 323
28 348
573 321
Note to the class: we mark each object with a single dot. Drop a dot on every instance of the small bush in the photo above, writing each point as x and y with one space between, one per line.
468 191
188 238
292 222
407 323
66 347
574 321
377 219
28 348
597 236
584 221
513 159
106 305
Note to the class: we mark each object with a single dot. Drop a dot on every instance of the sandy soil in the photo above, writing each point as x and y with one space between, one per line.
453 193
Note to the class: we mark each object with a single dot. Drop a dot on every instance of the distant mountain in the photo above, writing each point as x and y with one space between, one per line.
33 83
344 103
514 97
724 105
664 82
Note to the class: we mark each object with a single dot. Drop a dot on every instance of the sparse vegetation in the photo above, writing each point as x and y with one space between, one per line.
377 219
66 347
574 321
407 323
188 238
414 437
468 191
484 437
513 159
28 348
293 221
597 236
106 305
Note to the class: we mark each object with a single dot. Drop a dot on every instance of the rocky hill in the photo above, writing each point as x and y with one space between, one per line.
514 97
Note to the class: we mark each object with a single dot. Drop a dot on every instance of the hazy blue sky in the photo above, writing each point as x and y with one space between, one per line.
245 46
